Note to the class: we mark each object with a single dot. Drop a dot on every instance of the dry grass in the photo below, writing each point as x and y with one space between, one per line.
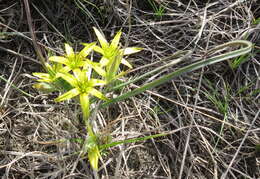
209 142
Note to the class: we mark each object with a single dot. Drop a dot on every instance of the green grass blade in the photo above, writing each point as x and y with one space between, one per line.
112 144
18 89
189 68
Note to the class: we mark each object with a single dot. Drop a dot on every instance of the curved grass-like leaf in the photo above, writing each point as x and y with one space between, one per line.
189 68
184 54
112 144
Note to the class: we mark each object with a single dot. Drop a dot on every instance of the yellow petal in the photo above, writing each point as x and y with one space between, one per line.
131 50
69 50
87 49
103 42
97 93
44 87
59 59
70 94
115 41
126 63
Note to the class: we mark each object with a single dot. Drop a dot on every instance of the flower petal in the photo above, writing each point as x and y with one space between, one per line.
97 68
69 50
97 93
59 59
131 50
103 42
103 61
44 87
70 94
69 78
87 49
97 82
43 77
126 63
115 41
99 50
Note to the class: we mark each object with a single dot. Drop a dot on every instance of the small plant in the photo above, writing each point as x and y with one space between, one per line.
82 80
158 10
73 75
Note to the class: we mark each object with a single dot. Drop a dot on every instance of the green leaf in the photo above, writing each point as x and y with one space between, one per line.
246 49
112 144
103 42
70 94
239 60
